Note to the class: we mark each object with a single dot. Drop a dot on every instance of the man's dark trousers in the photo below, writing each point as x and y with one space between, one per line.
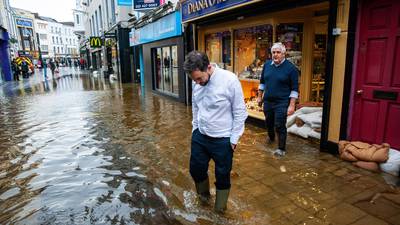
275 118
205 148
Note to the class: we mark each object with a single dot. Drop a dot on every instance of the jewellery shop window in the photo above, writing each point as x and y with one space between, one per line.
166 69
291 35
251 50
218 48
318 77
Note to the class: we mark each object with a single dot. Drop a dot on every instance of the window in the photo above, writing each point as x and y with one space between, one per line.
101 18
43 36
53 40
218 48
165 74
77 19
251 49
54 49
52 31
57 40
44 48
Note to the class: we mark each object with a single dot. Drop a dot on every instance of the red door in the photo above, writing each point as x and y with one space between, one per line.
376 111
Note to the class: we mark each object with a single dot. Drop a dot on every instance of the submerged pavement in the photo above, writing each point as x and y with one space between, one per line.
83 150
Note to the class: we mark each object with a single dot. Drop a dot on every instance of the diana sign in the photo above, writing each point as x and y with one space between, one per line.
146 4
194 9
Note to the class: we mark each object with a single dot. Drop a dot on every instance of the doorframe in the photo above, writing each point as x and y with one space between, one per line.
351 57
326 145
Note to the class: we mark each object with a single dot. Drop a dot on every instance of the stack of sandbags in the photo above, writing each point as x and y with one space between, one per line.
364 155
306 122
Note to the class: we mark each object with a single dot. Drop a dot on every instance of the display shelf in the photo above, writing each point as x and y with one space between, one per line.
255 114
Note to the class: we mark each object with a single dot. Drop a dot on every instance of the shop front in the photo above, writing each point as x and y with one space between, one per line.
161 52
242 45
238 35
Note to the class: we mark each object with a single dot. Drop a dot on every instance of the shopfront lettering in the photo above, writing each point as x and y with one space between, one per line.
202 4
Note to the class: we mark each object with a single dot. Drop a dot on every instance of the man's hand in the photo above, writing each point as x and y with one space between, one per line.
233 146
290 110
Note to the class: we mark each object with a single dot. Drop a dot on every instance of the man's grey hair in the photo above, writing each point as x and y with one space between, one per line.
280 46
194 61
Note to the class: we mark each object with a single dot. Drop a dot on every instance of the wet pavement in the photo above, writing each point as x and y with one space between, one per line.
80 149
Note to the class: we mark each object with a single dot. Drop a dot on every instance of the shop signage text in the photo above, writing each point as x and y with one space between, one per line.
192 9
24 23
145 4
95 42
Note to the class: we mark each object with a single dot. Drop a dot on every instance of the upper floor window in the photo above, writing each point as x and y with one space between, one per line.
77 19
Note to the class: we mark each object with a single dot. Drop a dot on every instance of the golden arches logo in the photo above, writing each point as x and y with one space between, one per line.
95 42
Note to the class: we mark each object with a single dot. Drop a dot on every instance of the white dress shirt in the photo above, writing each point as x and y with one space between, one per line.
218 107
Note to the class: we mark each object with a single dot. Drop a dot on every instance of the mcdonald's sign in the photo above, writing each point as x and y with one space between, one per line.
95 42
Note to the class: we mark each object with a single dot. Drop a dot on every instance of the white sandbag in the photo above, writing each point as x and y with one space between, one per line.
313 119
303 131
307 110
314 134
392 165
303 111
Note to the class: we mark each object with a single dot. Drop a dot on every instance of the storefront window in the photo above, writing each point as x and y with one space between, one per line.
251 50
318 75
291 35
174 63
166 69
218 48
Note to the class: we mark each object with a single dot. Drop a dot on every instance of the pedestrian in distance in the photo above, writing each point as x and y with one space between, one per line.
52 66
219 114
15 70
278 90
25 69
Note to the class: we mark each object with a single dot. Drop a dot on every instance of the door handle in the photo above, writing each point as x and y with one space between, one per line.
359 92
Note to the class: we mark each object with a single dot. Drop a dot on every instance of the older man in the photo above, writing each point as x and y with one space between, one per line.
279 88
219 113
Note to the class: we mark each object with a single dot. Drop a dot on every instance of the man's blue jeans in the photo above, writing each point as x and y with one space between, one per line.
205 148
275 118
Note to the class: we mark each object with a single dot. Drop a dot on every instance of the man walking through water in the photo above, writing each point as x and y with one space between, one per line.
219 113
279 88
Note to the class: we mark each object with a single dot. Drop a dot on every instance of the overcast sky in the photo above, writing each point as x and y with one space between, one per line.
61 10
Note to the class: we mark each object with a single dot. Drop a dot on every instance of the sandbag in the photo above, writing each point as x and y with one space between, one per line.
356 150
371 166
392 165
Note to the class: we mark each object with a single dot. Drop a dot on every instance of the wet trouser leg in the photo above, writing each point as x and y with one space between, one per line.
270 122
205 148
280 126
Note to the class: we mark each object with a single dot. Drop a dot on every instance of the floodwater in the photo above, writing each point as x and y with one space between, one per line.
86 150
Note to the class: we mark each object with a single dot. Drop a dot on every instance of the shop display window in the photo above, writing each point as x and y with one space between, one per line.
166 69
251 50
319 62
291 35
218 48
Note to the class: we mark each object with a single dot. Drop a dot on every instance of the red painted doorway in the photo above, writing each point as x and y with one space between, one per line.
376 104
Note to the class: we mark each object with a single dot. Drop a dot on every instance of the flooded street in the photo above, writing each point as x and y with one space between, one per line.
83 150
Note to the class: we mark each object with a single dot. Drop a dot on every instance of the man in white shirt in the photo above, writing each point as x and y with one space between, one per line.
219 113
